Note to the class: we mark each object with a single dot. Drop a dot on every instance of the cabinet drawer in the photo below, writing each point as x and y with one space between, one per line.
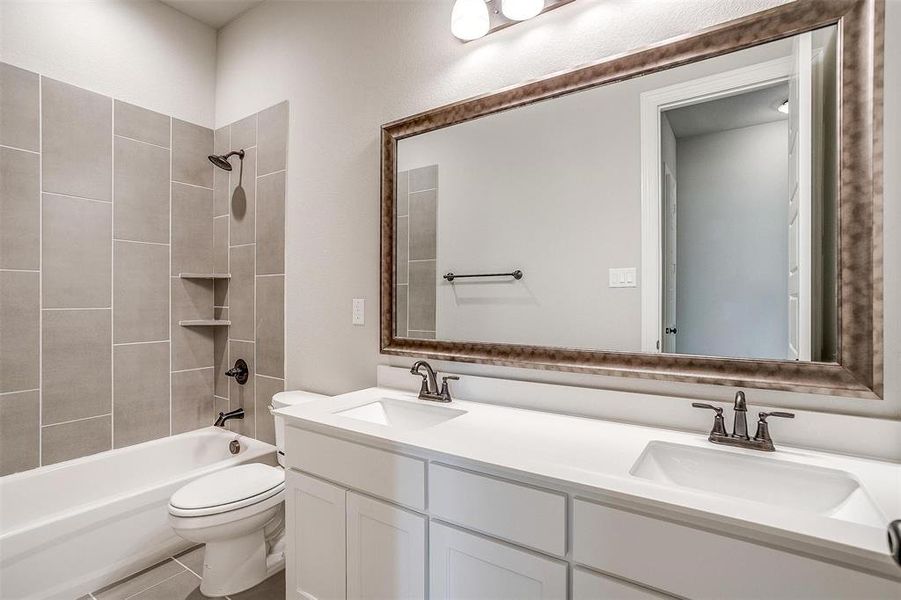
521 514
594 586
466 565
698 564
391 476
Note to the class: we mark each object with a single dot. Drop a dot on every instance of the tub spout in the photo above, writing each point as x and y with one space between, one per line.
238 413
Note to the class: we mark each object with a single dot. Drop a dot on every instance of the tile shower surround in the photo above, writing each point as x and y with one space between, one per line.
249 242
102 204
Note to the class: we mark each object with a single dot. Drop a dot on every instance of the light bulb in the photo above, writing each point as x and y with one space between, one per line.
469 19
520 10
783 108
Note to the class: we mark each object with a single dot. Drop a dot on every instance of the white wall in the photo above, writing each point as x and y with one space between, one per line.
732 286
349 67
139 51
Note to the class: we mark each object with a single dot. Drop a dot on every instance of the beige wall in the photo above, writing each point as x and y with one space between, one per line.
349 67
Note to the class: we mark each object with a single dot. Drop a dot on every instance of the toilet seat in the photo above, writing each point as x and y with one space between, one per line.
228 490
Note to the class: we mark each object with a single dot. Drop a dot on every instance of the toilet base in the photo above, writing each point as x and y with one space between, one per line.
235 565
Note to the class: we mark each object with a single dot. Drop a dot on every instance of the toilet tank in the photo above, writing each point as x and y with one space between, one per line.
281 400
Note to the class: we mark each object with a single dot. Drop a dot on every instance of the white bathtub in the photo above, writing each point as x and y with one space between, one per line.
71 528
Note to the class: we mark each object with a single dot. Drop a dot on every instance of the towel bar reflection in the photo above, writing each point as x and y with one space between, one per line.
517 274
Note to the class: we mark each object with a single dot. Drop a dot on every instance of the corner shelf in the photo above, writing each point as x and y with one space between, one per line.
205 275
205 323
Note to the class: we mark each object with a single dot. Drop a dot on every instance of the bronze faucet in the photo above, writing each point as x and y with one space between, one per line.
429 389
739 436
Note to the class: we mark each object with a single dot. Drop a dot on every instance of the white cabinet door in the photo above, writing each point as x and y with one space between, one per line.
386 548
465 566
594 586
315 524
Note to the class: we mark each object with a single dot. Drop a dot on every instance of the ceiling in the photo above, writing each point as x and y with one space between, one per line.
741 110
215 13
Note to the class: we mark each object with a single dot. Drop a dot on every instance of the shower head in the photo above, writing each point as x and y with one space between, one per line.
221 160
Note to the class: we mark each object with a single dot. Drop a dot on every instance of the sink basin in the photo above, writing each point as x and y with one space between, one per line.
827 492
401 414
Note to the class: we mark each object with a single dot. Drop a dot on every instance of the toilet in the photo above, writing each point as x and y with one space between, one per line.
238 514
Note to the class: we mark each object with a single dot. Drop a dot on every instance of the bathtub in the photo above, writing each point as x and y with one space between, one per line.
71 528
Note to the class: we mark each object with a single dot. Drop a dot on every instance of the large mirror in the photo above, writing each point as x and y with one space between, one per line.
691 211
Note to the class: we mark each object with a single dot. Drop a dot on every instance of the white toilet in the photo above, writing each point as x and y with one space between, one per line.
238 513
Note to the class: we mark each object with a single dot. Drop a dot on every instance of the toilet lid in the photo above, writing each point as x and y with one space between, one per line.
228 487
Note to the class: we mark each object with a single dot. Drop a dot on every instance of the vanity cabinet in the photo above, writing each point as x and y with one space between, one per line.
366 522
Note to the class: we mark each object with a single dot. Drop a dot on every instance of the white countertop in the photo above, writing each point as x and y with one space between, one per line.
595 457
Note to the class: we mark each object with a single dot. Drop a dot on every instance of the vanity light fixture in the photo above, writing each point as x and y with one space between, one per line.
469 19
472 19
520 10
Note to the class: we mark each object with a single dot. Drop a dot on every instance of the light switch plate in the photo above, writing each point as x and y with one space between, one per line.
359 311
623 278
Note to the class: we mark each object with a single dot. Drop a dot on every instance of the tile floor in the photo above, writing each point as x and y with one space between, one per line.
178 578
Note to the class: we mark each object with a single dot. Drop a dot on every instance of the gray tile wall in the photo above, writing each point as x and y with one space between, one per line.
249 239
102 204
416 253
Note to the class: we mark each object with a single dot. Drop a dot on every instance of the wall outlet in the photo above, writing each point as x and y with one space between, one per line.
359 311
620 278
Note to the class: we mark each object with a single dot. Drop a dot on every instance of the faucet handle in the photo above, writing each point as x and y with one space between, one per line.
763 428
719 424
785 415
445 390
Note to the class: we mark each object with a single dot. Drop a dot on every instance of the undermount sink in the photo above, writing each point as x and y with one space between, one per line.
828 492
401 414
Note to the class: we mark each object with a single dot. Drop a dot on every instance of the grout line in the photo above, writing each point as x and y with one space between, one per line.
271 173
73 197
411 192
137 343
20 270
203 187
420 260
125 137
270 275
80 308
20 391
23 149
40 200
194 369
256 204
155 584
269 377
140 242
169 304
112 269
241 246
103 416
242 341
187 568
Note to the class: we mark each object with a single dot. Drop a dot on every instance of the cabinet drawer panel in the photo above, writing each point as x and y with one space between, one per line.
381 473
465 565
698 564
524 515
594 586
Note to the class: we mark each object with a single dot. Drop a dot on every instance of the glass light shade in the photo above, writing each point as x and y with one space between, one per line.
469 19
520 10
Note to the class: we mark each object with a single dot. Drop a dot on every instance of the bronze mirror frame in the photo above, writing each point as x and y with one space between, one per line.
859 370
